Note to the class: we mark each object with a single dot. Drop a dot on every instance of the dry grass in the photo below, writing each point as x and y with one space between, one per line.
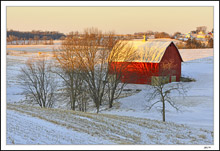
202 136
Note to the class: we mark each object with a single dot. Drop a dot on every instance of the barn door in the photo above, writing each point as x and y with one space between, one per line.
157 80
173 78
154 80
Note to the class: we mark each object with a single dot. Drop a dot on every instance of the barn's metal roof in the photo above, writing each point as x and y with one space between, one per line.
149 51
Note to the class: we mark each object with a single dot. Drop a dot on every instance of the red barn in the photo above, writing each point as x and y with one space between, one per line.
153 60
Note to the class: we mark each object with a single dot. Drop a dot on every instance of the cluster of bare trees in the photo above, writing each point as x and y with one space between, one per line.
161 35
14 40
84 65
31 34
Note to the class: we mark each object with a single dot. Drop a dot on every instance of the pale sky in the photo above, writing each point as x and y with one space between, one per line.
122 20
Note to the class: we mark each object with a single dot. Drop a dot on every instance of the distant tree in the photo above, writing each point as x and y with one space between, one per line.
45 40
16 40
24 41
193 32
32 34
62 38
149 32
36 39
210 43
11 39
180 45
162 35
8 40
176 34
193 44
188 43
30 41
51 41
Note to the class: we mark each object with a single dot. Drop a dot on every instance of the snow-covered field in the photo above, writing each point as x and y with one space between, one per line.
192 54
35 48
33 125
128 123
32 48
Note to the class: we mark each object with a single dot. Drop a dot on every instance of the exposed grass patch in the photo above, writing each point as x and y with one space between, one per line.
187 79
202 136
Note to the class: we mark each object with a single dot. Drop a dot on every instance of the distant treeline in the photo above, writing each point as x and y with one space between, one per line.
195 44
35 33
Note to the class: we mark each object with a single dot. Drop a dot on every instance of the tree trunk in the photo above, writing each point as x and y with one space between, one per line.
112 94
72 99
111 100
110 105
97 109
163 110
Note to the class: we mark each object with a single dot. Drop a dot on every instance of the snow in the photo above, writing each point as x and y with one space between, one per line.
34 48
12 71
193 54
196 111
33 125
25 129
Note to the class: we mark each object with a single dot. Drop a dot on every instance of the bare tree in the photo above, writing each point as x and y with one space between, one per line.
161 89
121 56
92 54
36 39
69 69
30 41
98 51
210 43
51 41
11 39
44 38
38 83
62 38
8 40
16 40
24 41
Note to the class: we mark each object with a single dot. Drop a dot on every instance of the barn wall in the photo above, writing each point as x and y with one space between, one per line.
172 57
136 72
141 72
